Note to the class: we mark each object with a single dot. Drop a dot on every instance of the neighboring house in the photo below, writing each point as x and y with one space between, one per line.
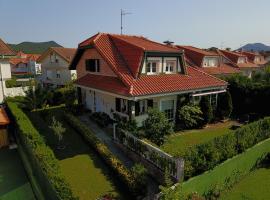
5 73
55 66
208 61
255 58
127 75
25 64
242 61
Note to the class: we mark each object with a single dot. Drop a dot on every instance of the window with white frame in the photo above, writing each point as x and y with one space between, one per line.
167 106
152 66
241 60
170 66
210 62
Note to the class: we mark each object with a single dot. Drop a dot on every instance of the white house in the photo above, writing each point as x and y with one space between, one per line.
127 75
55 66
5 73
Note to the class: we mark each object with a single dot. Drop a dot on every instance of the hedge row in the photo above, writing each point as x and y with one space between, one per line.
238 166
206 156
125 175
41 153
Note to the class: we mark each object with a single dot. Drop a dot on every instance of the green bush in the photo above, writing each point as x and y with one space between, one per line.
14 83
101 118
41 152
190 116
205 156
207 111
126 176
224 105
157 126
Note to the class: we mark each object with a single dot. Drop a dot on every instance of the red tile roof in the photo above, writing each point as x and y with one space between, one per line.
223 69
196 55
234 56
124 55
5 50
4 120
66 53
24 58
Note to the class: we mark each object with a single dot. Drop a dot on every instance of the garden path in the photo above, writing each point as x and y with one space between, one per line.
152 184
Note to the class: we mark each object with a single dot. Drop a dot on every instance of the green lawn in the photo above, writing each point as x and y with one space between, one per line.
13 180
179 142
88 176
255 186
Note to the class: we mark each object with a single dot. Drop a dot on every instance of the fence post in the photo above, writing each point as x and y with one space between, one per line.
180 163
114 131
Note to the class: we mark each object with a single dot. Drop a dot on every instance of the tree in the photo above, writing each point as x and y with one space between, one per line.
36 97
190 116
69 94
225 107
157 126
206 108
58 130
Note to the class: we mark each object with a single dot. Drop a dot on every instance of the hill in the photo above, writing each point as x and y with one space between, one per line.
255 47
34 47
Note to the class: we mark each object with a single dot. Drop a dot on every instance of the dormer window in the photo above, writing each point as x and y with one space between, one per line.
170 66
242 60
151 67
210 62
92 65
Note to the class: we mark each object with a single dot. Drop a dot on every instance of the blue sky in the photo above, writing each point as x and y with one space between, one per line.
202 23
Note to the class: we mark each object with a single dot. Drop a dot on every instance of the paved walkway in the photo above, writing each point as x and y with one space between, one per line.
152 184
108 141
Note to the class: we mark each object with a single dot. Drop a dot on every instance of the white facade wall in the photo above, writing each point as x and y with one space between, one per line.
51 69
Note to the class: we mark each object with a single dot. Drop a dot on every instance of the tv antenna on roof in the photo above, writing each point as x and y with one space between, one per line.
123 13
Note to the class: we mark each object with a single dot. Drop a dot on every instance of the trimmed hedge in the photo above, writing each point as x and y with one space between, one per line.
41 153
206 156
239 166
126 176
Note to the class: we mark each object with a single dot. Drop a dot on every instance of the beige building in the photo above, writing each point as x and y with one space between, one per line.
55 66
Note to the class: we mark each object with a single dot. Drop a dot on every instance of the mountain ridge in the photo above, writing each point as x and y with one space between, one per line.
255 47
34 47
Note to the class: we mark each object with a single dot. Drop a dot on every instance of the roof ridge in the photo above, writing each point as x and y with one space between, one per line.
9 47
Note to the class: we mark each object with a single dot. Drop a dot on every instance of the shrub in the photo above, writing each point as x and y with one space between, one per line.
224 105
101 118
206 108
126 176
69 94
157 126
190 116
206 156
140 175
41 152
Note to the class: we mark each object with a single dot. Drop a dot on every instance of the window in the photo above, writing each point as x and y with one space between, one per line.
213 100
151 67
121 105
210 62
241 60
57 74
170 66
168 108
141 107
92 65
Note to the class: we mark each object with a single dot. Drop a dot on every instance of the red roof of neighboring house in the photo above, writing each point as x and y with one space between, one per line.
24 58
252 55
4 120
66 53
124 54
196 55
222 69
5 50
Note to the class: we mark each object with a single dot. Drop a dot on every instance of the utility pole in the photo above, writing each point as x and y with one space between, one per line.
123 13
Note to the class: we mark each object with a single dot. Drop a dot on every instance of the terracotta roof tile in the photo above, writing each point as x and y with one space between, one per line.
124 55
5 49
66 53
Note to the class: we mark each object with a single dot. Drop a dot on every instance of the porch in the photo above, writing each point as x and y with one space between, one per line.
137 107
